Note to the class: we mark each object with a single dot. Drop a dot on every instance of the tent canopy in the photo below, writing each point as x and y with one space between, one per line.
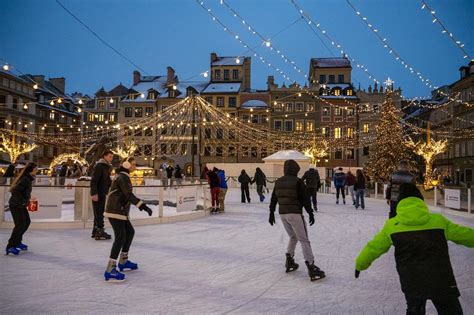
287 155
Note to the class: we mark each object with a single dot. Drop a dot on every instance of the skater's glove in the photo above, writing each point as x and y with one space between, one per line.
145 208
271 219
357 273
311 218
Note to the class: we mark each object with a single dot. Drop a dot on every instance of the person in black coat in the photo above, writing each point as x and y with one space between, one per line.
178 174
10 172
313 182
359 188
399 177
169 174
62 173
261 180
100 184
214 184
244 181
20 197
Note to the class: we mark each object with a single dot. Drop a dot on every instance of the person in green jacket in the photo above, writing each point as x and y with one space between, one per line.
421 253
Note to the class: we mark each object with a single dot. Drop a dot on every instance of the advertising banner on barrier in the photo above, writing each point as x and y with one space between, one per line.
46 203
186 199
452 198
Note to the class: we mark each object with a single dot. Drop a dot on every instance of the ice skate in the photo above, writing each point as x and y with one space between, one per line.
94 232
290 263
22 246
128 265
102 235
12 250
337 201
114 276
344 201
314 272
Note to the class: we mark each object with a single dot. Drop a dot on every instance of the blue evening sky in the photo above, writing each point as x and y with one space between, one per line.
39 37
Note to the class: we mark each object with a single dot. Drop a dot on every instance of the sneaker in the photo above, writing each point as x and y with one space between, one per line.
114 276
22 246
12 250
127 265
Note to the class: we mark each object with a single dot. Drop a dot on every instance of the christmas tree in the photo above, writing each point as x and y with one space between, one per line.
389 147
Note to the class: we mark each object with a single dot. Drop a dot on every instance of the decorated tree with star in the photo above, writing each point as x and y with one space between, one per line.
389 147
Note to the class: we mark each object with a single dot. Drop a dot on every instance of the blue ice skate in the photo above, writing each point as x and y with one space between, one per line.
12 250
22 246
128 265
114 276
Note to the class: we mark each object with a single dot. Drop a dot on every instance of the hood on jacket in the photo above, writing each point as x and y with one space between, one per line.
412 211
122 169
103 161
291 168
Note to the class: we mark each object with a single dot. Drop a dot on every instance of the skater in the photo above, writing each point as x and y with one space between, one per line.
359 187
214 184
169 174
350 181
244 181
178 174
20 197
340 182
163 176
400 176
313 183
421 253
117 210
222 190
63 174
291 195
100 184
261 180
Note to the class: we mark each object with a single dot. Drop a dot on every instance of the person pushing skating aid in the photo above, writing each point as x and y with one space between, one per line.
291 194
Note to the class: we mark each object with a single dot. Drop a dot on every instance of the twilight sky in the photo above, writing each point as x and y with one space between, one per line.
39 37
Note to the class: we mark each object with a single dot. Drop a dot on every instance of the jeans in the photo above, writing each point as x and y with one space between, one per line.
360 198
99 207
124 232
351 193
417 306
340 189
245 192
22 221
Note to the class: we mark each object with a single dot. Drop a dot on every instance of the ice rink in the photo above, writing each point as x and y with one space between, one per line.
229 263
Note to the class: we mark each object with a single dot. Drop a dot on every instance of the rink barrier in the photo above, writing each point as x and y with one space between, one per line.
83 213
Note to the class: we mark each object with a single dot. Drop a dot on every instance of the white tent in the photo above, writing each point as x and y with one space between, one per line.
276 160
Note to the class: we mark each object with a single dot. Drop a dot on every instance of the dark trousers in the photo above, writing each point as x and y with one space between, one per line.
340 189
260 191
123 232
99 207
360 198
393 209
22 221
417 306
215 196
313 196
245 193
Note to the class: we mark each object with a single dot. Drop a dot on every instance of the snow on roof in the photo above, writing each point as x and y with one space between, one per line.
222 88
254 103
226 61
287 155
338 97
330 62
341 85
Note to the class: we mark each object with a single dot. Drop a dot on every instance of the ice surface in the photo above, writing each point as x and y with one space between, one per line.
229 263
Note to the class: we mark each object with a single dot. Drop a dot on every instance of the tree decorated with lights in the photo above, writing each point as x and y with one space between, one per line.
14 149
127 150
389 147
317 150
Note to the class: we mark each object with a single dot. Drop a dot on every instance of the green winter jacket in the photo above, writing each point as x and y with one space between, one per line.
421 250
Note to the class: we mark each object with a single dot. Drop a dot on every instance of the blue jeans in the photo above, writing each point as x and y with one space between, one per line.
360 198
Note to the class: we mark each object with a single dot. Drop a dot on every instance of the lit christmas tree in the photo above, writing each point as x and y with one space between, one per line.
14 149
389 147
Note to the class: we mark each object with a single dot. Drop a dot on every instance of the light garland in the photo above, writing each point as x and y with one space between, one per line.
127 150
65 157
317 151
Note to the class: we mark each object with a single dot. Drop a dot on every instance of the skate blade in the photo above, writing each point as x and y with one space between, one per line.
317 278
291 270
128 269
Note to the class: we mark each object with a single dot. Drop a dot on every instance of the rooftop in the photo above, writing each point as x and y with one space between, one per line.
330 63
222 88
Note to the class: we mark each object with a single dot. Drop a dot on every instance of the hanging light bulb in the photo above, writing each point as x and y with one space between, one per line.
6 67
267 43
111 101
80 101
51 103
237 60
79 110
60 100
25 106
35 86
205 74
142 95
175 87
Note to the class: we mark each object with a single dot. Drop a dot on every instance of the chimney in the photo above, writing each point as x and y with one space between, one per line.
59 83
213 57
170 76
39 79
136 77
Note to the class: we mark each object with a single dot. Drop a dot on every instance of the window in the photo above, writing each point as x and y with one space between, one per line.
220 133
101 117
299 107
375 108
207 133
151 95
217 74
277 125
148 111
468 175
310 107
299 126
337 133
231 151
164 131
338 111
288 107
365 128
220 101
226 75
326 111
148 132
112 118
209 99
263 153
139 112
219 151
174 148
253 152
245 151
207 151
349 92
309 125
288 125
263 119
101 105
338 154
337 92
350 112
245 117
148 150
90 117
322 78
350 133
184 149
365 151
163 148
340 78
232 101
326 132
277 107
255 119
235 74
350 154
231 134
332 78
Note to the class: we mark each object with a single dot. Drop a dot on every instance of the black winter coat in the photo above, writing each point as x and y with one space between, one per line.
178 173
121 196
311 178
360 182
213 179
396 179
290 192
21 192
100 181
260 179
244 180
